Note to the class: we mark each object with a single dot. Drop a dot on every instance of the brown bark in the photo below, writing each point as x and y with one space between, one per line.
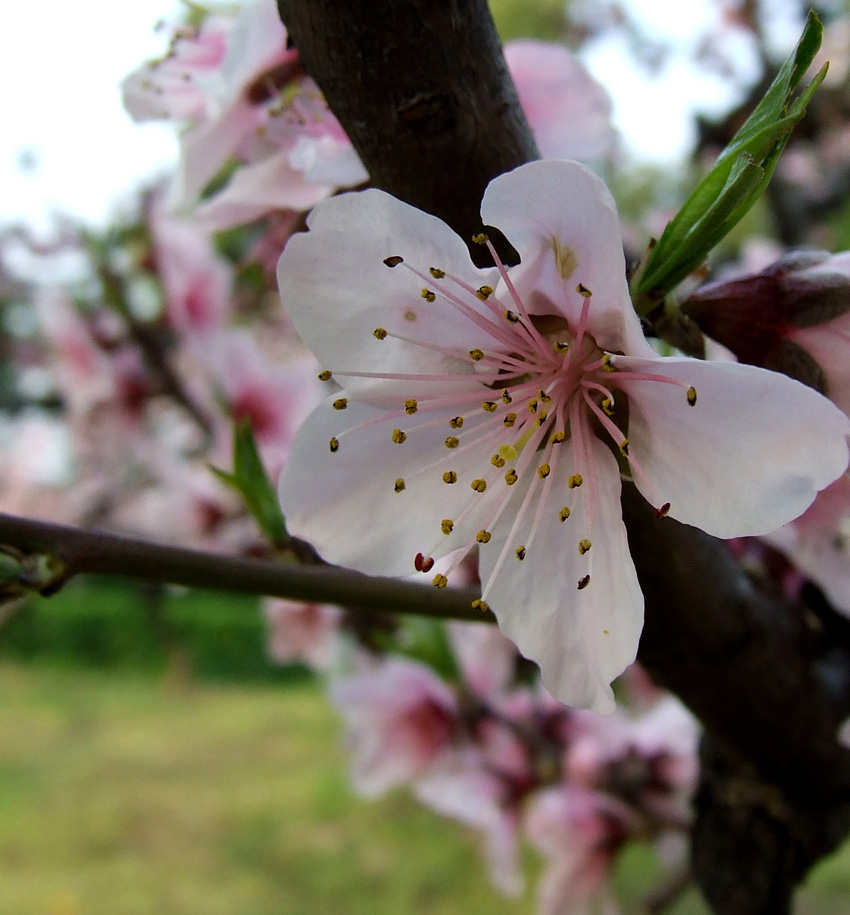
422 90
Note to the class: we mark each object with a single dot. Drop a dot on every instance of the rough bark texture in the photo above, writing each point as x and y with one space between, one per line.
421 88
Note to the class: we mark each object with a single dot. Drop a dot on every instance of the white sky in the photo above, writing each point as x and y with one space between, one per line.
60 68
61 65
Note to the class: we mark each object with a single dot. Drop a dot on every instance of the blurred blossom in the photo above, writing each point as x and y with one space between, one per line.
302 632
400 722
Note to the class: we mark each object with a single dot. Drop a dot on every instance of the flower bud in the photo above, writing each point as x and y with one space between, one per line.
760 317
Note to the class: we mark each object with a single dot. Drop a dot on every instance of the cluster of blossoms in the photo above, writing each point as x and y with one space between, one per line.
443 414
477 739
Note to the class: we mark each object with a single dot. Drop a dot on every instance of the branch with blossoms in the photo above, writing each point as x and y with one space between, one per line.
703 614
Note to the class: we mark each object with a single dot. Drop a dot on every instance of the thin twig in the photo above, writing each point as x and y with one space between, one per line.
100 553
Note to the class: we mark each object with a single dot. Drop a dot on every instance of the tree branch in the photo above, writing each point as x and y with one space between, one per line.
422 90
100 553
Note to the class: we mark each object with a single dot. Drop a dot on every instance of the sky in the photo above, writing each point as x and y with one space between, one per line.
69 147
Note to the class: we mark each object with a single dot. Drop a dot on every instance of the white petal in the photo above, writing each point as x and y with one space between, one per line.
338 290
563 222
582 639
346 505
749 456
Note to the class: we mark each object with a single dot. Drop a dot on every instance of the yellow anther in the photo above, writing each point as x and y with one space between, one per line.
506 398
410 406
334 445
476 354
584 546
399 437
543 471
544 397
340 403
393 261
480 238
483 536
560 347
379 333
607 406
497 461
436 273
447 525
489 406
512 316
325 376
520 553
541 419
557 437
399 485
511 477
583 582
564 513
575 480
624 447
692 396
440 581
484 292
428 295
456 422
582 290
450 477
607 364
510 419
532 405
508 452
481 605
479 485
452 442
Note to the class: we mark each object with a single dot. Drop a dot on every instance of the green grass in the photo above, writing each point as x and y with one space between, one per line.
121 794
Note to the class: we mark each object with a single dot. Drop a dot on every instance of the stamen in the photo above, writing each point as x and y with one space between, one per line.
325 375
450 477
379 333
583 582
692 396
410 406
483 536
334 445
440 581
447 526
399 437
340 403
520 553
583 546
399 485
478 485
480 605
393 261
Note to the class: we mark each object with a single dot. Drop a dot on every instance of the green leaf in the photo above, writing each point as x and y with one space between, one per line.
424 640
737 179
250 480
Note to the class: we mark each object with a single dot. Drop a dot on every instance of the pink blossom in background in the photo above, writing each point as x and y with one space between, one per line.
252 104
580 832
197 283
275 395
302 632
479 410
400 722
567 109
818 543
